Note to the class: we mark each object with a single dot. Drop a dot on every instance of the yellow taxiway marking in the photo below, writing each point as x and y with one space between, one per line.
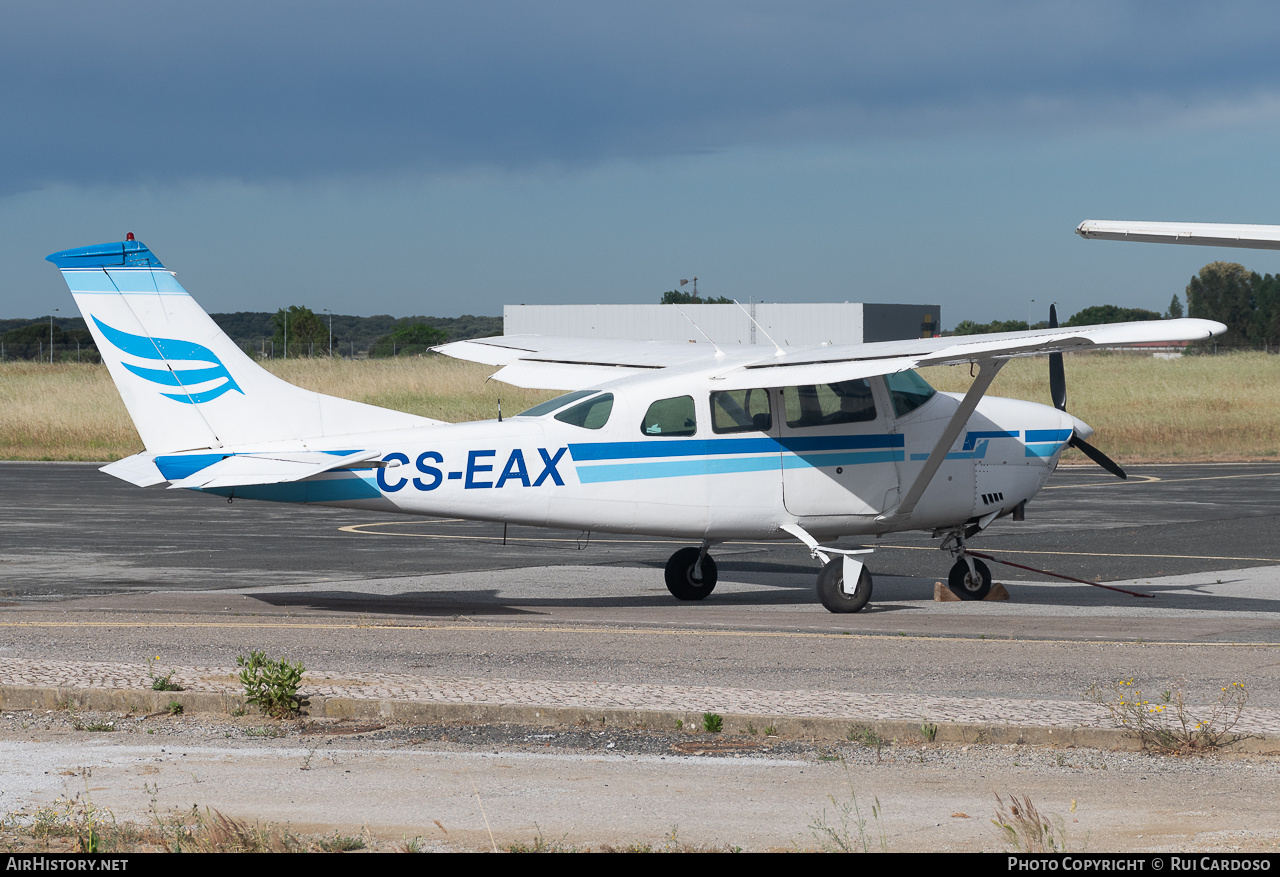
1149 479
635 631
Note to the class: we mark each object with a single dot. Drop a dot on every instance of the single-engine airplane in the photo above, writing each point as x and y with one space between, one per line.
658 438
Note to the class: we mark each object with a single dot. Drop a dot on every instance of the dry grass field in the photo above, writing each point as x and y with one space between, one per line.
1144 409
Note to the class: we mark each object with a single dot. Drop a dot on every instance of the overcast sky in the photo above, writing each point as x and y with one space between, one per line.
449 158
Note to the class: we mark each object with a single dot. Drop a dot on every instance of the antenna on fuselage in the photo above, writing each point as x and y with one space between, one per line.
719 352
777 349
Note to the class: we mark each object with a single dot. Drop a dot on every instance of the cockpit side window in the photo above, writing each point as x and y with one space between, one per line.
591 414
827 404
740 411
908 391
670 417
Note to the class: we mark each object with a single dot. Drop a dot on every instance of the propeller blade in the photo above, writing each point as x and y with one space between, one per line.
1097 456
1057 373
1057 382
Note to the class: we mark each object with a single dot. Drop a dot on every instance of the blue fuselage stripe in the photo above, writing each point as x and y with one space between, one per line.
591 451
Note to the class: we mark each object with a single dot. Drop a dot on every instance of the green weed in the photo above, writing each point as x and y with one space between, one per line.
272 685
158 682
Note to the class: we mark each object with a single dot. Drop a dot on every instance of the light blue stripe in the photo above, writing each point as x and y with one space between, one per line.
660 447
722 466
1042 450
675 469
89 281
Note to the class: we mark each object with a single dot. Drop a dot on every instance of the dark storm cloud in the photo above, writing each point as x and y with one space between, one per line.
162 92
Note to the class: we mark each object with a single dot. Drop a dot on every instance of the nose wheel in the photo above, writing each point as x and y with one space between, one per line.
832 591
691 574
969 579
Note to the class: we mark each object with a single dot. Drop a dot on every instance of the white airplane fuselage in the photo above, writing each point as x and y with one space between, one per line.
829 479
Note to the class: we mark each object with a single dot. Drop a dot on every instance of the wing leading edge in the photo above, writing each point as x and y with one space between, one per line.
1203 234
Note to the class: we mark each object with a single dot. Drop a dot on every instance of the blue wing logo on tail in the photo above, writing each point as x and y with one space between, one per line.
168 350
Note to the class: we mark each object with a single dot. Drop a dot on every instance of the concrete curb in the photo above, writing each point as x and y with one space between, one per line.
899 733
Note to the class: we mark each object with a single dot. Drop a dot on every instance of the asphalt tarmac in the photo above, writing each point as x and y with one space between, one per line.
71 531
98 575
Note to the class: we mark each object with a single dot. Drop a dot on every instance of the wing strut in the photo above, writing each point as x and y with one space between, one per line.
987 370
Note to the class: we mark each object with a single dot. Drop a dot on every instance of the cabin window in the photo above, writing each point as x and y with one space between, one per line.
668 417
555 404
591 414
908 391
740 411
828 404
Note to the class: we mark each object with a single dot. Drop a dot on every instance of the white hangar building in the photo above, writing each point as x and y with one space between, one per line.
789 324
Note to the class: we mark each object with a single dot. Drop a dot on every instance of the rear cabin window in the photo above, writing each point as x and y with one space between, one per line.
591 414
670 417
740 411
828 404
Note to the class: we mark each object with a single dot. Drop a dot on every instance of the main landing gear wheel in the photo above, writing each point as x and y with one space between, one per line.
831 588
681 579
965 585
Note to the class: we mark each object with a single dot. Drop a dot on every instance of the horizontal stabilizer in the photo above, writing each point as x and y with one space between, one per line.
242 470
1203 234
139 470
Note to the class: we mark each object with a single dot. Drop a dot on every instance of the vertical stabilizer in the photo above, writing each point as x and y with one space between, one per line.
185 383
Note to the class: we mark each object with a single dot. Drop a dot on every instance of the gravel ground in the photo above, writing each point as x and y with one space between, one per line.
588 786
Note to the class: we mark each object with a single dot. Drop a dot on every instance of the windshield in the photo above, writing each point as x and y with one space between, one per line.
591 414
555 404
909 391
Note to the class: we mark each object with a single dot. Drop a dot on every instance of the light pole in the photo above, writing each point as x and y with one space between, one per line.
55 310
330 313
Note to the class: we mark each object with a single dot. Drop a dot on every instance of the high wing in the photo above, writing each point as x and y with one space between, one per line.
546 362
1204 234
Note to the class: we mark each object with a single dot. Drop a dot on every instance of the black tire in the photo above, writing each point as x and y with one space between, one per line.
831 588
680 580
962 583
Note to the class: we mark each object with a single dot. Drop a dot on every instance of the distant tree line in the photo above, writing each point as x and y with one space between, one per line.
676 297
1090 316
262 334
1247 302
